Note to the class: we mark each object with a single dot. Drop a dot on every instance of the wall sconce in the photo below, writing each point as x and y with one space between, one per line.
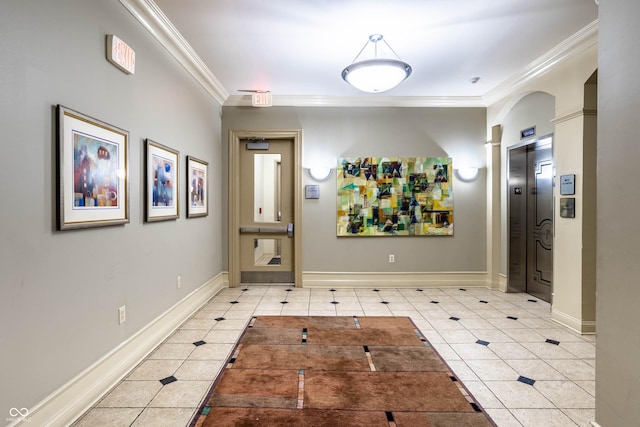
467 174
319 173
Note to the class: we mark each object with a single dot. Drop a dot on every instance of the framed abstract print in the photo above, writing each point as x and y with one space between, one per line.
92 172
197 187
162 182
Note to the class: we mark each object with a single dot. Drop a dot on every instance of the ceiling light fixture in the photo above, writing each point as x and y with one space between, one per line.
377 74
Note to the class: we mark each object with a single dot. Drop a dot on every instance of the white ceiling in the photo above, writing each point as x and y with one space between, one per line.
299 47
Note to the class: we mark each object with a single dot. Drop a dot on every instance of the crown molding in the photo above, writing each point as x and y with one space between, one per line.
574 45
155 21
361 101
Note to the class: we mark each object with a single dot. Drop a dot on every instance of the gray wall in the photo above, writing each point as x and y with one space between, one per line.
60 291
618 235
332 132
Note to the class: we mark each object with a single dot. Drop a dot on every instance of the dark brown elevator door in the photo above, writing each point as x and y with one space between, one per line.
531 219
540 223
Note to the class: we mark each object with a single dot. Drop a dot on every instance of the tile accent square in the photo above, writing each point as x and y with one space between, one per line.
526 380
168 380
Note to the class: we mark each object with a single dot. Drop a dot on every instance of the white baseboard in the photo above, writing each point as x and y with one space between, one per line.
314 279
70 401
497 284
595 424
577 325
502 284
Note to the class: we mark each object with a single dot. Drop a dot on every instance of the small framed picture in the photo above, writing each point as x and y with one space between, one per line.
567 207
162 182
197 187
92 172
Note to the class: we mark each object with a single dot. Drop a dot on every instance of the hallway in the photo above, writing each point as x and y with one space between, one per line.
495 343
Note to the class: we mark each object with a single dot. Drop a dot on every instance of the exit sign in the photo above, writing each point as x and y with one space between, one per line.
261 99
121 55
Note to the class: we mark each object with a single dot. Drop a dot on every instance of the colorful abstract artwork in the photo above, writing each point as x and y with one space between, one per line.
95 172
394 196
161 182
163 178
92 172
197 187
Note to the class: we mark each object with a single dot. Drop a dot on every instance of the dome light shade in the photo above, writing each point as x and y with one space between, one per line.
378 74
467 174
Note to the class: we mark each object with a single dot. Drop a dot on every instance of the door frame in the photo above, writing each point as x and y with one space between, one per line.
234 198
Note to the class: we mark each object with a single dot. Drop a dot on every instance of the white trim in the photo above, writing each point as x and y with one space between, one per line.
318 279
577 43
576 114
595 424
573 323
361 101
155 21
502 284
70 401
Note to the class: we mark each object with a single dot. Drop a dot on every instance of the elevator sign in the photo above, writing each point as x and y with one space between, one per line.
121 55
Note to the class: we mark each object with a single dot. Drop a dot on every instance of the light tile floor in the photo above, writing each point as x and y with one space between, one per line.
523 368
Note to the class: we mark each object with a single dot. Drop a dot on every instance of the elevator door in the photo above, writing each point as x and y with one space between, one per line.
531 219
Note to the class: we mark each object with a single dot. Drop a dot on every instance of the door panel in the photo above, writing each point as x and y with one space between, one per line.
518 219
530 237
540 223
266 211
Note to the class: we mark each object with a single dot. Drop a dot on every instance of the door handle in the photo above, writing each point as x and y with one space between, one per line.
249 230
288 230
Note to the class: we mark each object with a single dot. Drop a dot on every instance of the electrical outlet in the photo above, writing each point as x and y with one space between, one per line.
122 314
392 258
179 282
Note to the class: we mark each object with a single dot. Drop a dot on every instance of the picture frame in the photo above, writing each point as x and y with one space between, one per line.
567 207
92 172
197 187
162 182
394 196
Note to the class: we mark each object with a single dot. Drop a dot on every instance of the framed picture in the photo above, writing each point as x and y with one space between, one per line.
92 172
161 182
567 207
395 196
197 187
